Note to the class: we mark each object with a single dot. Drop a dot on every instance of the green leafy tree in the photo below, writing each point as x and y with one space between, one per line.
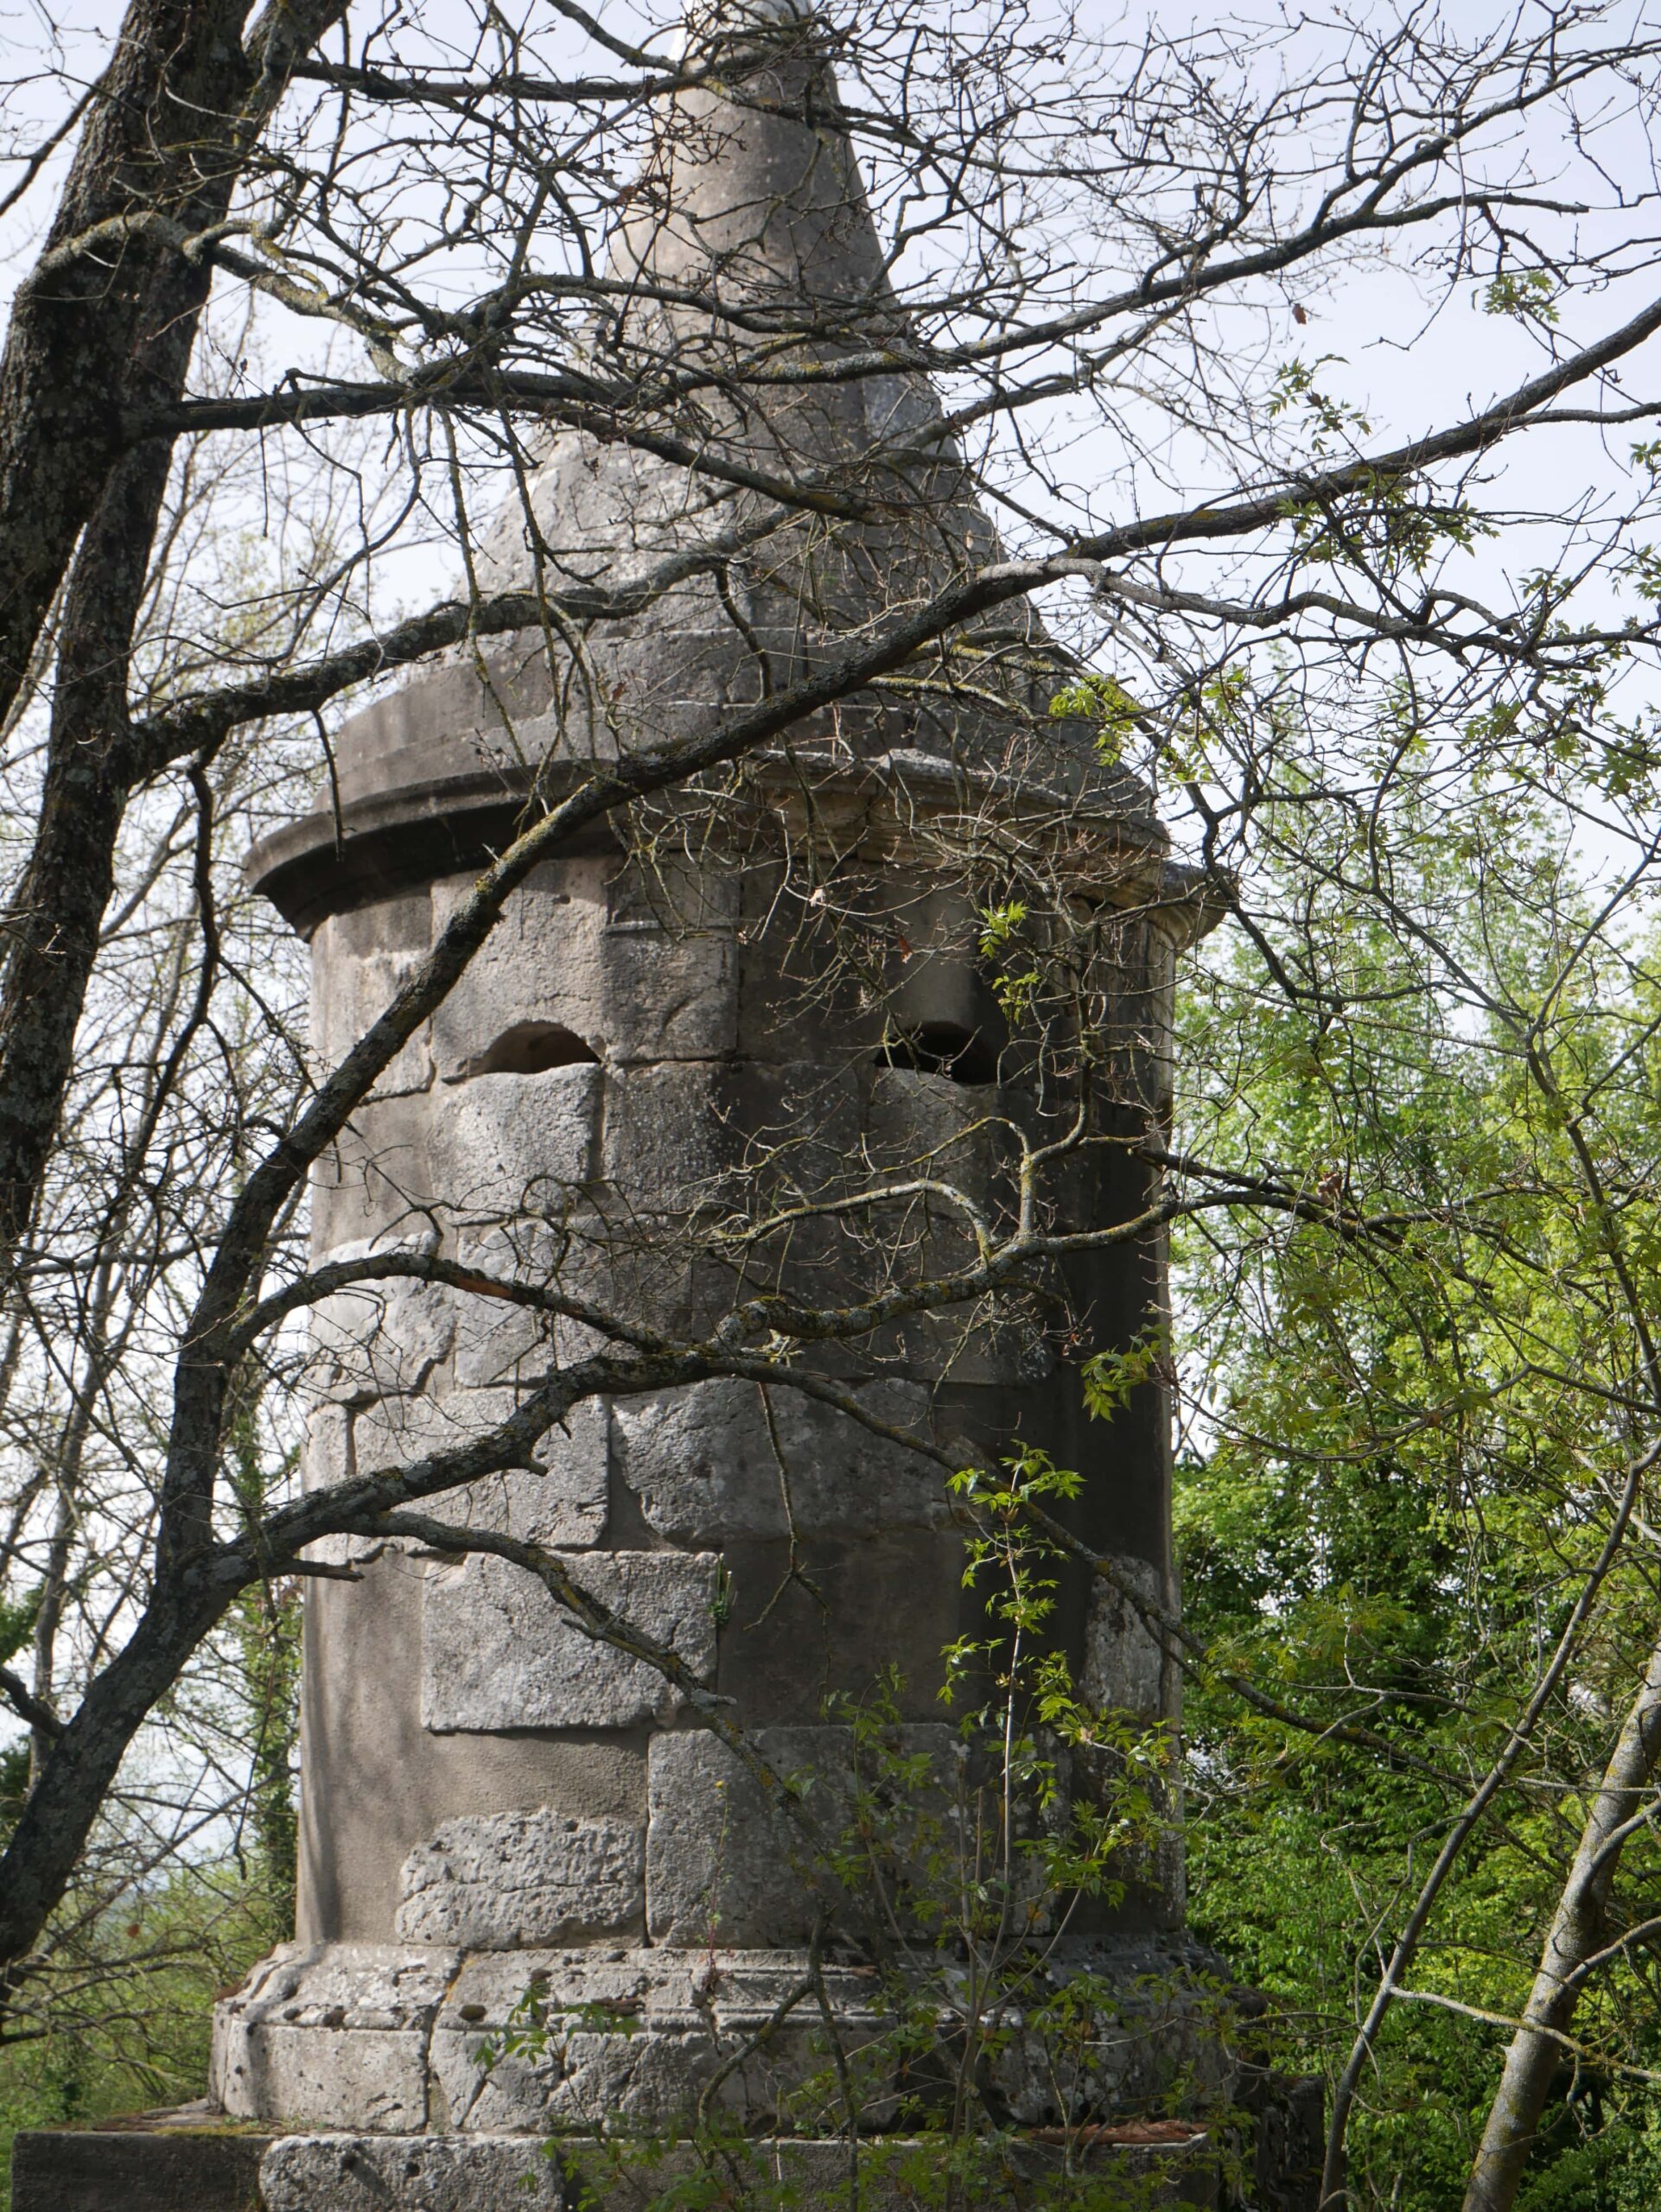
1417 1391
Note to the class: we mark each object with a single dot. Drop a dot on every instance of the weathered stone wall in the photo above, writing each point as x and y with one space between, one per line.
448 1704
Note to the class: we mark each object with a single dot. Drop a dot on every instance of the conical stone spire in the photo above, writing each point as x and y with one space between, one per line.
835 500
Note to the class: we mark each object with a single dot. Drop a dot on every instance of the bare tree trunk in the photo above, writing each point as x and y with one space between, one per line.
1577 1934
110 327
83 341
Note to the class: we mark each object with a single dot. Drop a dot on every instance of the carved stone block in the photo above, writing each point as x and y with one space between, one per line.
404 2173
507 1144
270 2061
727 1863
350 991
496 1881
497 1341
558 1496
376 1179
708 1464
655 982
1124 1666
665 1134
723 1864
382 1337
497 1653
624 2036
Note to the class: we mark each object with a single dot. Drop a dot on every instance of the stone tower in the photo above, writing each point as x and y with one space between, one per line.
757 997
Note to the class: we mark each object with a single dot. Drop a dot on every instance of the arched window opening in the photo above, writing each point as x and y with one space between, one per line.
944 1048
532 1048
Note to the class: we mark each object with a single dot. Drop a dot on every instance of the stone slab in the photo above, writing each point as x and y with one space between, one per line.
340 2173
724 1990
882 1603
606 2037
501 1145
364 2077
1124 1667
929 1125
599 2039
708 1466
410 2173
499 1343
723 1864
351 1986
380 1338
331 2034
496 1652
1157 2032
350 991
207 2171
376 1179
666 1135
959 1345
900 2174
593 2078
498 1881
149 2169
635 979
675 1131
394 1432
727 1864
559 1498
403 922
800 1122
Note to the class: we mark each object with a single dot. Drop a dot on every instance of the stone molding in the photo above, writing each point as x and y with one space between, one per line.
385 2039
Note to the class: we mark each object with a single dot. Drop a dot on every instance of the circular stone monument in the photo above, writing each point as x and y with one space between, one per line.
754 998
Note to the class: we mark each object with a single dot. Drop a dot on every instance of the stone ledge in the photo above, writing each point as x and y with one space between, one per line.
195 2160
411 2173
1156 2165
209 2170
188 2161
389 2040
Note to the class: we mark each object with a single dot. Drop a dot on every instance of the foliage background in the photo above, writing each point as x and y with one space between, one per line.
1400 1445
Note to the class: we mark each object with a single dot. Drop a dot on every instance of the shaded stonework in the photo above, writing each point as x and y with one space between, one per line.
494 1807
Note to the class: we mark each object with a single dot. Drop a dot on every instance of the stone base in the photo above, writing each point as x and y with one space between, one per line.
344 2173
415 2079
409 2039
413 2039
195 2161
191 2169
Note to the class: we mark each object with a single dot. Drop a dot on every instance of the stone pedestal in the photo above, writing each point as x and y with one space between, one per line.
1141 2168
618 2041
489 1795
188 2161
